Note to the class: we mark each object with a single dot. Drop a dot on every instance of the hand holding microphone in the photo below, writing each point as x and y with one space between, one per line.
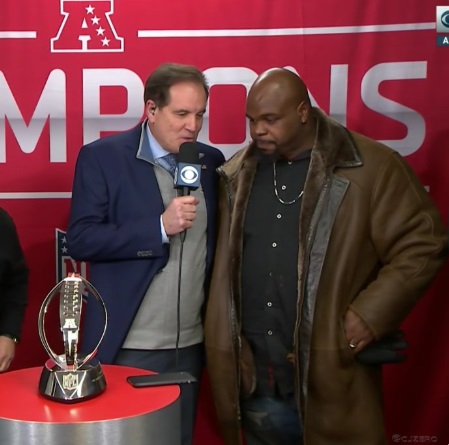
181 211
180 214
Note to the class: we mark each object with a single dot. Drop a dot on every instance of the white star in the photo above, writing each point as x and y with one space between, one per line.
64 250
105 42
90 9
95 20
100 31
64 239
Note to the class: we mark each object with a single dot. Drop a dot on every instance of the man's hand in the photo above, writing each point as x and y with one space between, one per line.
180 214
7 350
358 333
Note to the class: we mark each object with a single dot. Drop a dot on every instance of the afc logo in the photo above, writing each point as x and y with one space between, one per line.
86 27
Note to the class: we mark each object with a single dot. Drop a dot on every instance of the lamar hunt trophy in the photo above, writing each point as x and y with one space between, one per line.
71 377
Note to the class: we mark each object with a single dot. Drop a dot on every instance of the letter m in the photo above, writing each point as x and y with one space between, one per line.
51 105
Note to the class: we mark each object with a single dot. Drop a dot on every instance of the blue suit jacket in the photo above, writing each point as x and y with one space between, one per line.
115 225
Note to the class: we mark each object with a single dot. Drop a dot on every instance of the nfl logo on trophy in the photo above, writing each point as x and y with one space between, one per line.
71 377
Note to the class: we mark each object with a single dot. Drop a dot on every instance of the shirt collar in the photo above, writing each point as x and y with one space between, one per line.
156 150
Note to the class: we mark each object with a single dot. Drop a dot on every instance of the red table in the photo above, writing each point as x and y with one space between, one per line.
121 415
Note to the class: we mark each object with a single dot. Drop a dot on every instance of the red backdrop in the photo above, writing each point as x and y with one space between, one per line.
71 71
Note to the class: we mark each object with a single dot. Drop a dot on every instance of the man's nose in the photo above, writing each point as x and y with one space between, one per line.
193 123
259 128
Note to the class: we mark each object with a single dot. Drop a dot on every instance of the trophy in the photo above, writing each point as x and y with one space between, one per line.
71 377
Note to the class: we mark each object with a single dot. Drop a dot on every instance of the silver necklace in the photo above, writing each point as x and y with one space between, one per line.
287 203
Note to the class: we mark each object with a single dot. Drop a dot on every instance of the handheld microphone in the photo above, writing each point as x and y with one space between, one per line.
187 177
188 170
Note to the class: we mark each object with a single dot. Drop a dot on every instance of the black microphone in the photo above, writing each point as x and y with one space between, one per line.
187 177
188 169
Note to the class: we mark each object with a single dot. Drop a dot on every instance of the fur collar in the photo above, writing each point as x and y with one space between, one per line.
334 148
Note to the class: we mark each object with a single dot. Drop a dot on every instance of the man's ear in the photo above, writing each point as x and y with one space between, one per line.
150 109
303 111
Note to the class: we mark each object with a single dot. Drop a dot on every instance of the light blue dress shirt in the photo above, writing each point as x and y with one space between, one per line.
158 153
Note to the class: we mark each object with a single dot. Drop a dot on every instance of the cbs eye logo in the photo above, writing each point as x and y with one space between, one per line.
189 174
443 19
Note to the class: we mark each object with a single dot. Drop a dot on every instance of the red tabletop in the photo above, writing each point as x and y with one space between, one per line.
20 399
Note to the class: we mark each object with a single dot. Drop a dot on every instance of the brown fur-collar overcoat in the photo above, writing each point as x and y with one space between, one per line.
370 240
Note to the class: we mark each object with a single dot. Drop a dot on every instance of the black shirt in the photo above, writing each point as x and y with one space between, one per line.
270 270
13 278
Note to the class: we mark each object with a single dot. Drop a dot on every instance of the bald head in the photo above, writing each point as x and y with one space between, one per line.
283 84
279 112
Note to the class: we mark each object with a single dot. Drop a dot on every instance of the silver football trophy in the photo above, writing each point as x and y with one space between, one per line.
71 377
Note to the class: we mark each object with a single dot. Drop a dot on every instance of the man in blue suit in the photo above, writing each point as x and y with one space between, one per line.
126 220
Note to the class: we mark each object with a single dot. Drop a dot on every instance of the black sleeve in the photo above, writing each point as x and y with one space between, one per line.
13 278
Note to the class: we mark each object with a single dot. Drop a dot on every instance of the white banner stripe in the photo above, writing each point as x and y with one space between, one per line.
36 195
287 31
18 34
256 32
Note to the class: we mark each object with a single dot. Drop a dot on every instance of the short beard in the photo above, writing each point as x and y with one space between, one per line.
272 157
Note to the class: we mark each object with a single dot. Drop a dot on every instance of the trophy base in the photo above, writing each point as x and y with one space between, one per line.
72 386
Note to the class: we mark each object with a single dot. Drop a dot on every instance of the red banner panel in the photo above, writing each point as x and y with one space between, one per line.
72 71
